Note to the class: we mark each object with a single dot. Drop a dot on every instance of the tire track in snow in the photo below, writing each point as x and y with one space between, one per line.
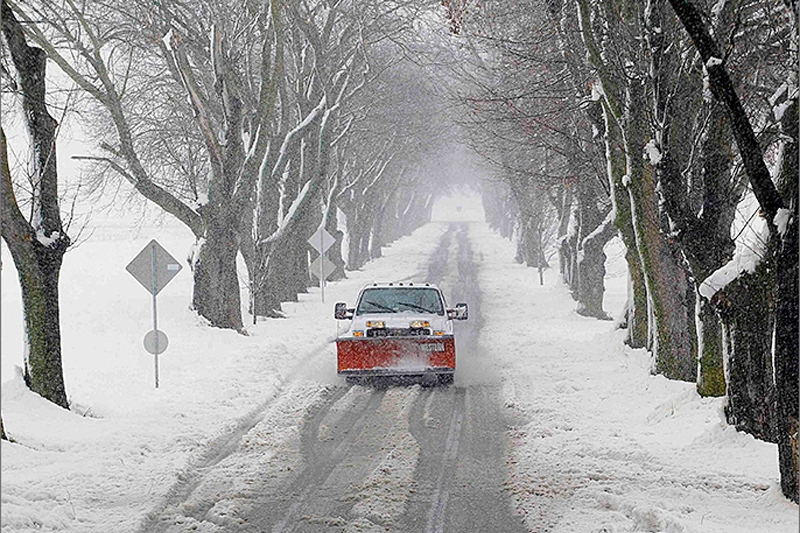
441 493
321 457
357 476
211 488
462 430
361 459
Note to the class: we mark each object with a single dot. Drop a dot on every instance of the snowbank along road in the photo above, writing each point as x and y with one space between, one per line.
384 457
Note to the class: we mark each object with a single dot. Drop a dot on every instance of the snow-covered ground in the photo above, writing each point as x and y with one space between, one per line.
599 441
602 445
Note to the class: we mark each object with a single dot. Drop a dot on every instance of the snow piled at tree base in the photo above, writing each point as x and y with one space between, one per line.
600 444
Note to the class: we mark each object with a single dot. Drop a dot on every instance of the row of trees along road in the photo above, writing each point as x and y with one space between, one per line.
654 120
252 123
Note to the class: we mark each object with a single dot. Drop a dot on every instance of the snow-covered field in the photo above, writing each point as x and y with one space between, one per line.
599 441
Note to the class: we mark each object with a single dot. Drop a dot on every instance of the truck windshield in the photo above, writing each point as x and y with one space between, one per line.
400 300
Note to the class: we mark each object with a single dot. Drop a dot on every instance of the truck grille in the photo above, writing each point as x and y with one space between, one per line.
398 332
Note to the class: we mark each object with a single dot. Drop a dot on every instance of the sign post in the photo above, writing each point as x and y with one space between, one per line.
155 309
322 267
154 267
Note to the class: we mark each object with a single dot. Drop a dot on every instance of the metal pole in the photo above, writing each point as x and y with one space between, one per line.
155 312
321 257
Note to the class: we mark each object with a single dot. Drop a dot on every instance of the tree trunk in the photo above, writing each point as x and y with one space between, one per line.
704 239
299 248
671 333
38 266
786 359
358 228
593 270
570 242
38 250
747 306
376 242
216 294
786 317
636 307
565 260
269 297
711 370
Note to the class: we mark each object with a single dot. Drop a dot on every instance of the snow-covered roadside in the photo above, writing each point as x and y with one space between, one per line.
103 471
602 445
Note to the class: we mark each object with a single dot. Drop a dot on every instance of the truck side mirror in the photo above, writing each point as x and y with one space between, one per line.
341 312
460 312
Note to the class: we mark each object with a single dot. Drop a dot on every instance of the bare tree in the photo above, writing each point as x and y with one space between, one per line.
198 53
37 244
525 119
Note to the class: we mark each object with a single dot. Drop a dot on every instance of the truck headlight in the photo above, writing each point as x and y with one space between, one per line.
420 324
376 324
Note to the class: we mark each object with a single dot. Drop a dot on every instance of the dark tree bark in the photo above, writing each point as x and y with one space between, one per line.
747 309
216 294
665 279
711 369
592 268
770 201
786 360
358 229
38 250
787 317
699 199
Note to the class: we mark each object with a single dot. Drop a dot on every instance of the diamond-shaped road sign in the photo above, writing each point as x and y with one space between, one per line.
153 262
323 239
327 267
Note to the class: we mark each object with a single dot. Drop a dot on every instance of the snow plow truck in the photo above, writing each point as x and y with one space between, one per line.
398 329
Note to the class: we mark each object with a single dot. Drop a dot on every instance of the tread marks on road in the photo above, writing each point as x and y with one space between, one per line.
320 458
441 493
437 464
361 473
220 482
437 264
383 496
462 431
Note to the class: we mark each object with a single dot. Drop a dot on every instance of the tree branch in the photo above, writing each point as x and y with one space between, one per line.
722 88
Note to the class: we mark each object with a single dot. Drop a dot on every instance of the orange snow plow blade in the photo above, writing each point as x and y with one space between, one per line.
396 356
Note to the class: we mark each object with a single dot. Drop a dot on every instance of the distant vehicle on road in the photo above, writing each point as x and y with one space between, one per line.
398 330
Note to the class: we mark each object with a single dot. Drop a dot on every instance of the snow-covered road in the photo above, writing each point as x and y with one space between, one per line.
388 456
552 424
